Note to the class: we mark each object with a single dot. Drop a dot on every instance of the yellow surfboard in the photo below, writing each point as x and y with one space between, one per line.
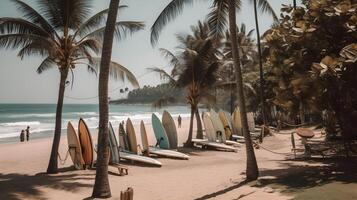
237 123
224 120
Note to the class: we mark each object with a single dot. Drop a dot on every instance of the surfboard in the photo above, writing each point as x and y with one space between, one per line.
160 132
141 159
168 153
209 129
158 151
227 127
113 145
144 138
218 126
74 147
214 144
237 124
132 137
85 140
169 125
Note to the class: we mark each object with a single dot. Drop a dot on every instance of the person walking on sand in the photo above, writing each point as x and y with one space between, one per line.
179 120
22 136
28 133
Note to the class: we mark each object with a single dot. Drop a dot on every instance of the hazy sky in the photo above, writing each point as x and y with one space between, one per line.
19 82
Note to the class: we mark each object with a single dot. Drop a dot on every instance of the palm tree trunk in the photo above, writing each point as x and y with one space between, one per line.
101 186
53 164
252 167
189 143
261 74
294 3
199 124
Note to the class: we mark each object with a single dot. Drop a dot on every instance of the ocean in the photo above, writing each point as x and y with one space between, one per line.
41 117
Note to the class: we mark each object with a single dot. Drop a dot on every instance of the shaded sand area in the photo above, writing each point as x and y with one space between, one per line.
207 175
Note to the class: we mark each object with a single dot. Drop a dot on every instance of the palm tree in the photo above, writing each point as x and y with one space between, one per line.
263 5
294 3
64 33
249 55
218 20
252 172
101 186
195 69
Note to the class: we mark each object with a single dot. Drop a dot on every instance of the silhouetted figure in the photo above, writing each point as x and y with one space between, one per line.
179 120
22 136
27 133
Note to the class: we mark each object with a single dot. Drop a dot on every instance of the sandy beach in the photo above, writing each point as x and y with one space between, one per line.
208 174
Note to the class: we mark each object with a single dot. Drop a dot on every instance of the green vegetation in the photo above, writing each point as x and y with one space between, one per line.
311 62
149 95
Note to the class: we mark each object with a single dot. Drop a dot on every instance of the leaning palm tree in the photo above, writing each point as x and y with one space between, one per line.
195 70
218 19
65 34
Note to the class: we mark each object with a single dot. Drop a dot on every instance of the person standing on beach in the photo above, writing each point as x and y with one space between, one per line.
22 136
28 133
179 120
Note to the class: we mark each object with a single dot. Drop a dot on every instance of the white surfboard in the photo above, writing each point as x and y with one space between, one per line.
218 126
168 153
214 144
209 128
141 159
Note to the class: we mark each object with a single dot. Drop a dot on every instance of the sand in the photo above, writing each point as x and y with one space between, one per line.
208 174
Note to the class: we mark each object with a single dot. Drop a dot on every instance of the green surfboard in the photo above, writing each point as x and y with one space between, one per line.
160 133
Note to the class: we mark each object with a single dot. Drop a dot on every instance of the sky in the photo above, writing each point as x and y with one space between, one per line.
19 82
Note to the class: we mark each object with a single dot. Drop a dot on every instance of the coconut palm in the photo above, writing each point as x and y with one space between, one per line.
194 68
65 34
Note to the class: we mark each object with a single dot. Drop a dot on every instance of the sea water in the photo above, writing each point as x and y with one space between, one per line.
41 117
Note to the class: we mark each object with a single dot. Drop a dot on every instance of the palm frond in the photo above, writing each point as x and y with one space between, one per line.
46 64
170 56
217 18
10 25
94 22
170 12
117 71
13 41
163 74
122 29
265 7
37 48
90 43
34 16
66 13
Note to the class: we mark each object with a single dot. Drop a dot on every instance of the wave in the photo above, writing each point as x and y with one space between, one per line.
29 123
47 115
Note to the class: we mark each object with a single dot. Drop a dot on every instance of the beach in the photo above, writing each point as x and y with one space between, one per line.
208 174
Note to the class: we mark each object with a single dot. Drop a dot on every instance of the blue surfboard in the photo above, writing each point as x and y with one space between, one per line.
160 133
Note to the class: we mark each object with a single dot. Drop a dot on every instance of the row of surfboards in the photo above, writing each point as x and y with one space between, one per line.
218 130
223 130
81 148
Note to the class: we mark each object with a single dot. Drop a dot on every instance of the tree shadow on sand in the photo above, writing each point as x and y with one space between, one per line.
223 191
305 180
16 186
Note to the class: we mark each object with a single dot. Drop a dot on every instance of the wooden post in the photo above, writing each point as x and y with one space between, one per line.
128 194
